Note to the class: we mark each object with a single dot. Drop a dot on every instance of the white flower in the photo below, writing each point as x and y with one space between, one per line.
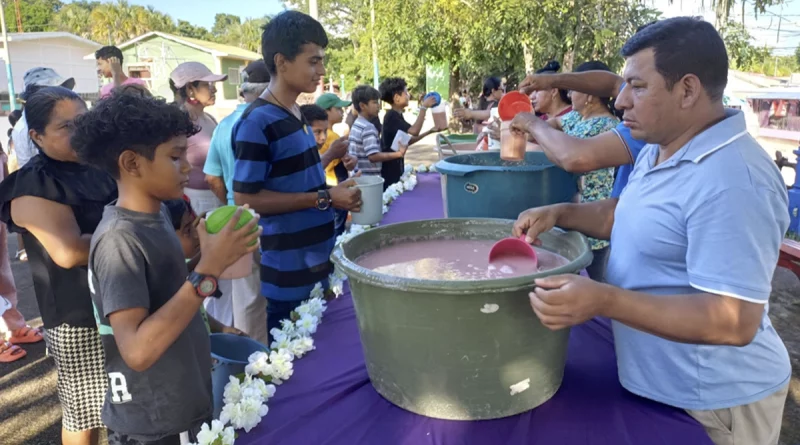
288 328
307 325
258 364
316 306
408 168
422 168
301 346
432 168
281 342
217 434
257 388
233 391
318 291
244 415
282 368
385 209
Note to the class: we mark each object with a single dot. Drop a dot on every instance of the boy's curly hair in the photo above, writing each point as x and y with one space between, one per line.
127 122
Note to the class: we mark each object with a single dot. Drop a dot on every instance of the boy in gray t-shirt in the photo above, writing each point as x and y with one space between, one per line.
156 345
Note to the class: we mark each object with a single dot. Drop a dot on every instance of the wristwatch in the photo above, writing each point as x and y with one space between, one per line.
323 200
204 285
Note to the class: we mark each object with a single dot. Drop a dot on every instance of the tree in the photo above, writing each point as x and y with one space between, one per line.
36 15
186 29
223 23
722 8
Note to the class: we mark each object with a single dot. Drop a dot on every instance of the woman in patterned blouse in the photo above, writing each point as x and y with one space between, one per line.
589 117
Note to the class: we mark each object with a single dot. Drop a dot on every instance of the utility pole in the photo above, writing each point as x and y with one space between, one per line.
19 16
12 100
375 73
777 41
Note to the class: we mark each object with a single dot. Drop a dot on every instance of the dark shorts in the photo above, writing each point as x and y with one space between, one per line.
115 438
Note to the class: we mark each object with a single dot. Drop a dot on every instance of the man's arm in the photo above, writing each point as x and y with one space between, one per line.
581 155
701 318
217 185
213 166
593 219
596 83
54 225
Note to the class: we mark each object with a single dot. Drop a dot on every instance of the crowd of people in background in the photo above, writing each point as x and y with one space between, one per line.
109 203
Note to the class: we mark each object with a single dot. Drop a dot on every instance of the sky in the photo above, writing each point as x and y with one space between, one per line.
202 12
764 28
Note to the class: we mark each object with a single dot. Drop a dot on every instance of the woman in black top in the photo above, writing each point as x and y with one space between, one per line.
56 204
395 93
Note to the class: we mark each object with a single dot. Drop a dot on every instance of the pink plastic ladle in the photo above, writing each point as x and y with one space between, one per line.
512 247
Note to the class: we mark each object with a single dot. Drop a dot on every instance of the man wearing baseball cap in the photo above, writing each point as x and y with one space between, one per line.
248 307
33 80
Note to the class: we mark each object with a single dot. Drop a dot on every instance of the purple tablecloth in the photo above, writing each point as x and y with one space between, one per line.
330 400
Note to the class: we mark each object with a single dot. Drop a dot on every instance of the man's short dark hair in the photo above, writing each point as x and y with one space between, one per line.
286 33
313 113
108 52
127 122
363 94
681 46
390 87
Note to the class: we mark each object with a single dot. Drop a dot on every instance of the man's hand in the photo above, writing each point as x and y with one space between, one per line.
536 82
429 102
462 113
346 196
338 148
234 331
350 162
534 221
223 249
115 65
526 122
561 301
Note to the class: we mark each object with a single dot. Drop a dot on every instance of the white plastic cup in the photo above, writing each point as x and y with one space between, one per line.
440 115
371 200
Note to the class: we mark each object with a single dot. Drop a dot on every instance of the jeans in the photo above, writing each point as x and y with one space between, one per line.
277 311
339 220
597 269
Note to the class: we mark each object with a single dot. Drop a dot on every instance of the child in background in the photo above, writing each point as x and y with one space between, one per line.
395 93
317 118
185 223
157 350
365 142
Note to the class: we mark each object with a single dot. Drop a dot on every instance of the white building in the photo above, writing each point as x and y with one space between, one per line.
61 51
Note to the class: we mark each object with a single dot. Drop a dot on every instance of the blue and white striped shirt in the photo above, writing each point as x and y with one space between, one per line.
275 151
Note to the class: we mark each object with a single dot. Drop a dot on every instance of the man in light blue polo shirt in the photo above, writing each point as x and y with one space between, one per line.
695 239
219 162
241 304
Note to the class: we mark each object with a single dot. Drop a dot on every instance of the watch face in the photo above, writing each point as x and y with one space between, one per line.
323 204
207 286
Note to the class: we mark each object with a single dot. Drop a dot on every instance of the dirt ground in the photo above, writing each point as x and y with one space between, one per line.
30 412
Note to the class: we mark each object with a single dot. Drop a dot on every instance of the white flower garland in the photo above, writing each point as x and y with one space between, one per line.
245 398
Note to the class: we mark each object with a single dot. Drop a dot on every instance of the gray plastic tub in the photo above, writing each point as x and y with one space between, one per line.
461 350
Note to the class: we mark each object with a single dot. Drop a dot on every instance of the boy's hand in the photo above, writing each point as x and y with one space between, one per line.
338 148
350 162
115 65
226 247
346 196
462 113
402 149
430 102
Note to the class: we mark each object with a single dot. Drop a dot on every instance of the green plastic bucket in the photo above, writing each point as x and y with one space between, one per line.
460 350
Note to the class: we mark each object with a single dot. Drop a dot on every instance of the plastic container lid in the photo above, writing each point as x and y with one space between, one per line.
512 104
436 95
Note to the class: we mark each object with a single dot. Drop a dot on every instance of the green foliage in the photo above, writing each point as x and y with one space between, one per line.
478 38
37 15
745 56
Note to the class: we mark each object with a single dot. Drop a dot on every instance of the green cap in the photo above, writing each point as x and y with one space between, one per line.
330 100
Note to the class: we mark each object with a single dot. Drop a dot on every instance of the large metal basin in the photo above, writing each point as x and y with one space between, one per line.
455 349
